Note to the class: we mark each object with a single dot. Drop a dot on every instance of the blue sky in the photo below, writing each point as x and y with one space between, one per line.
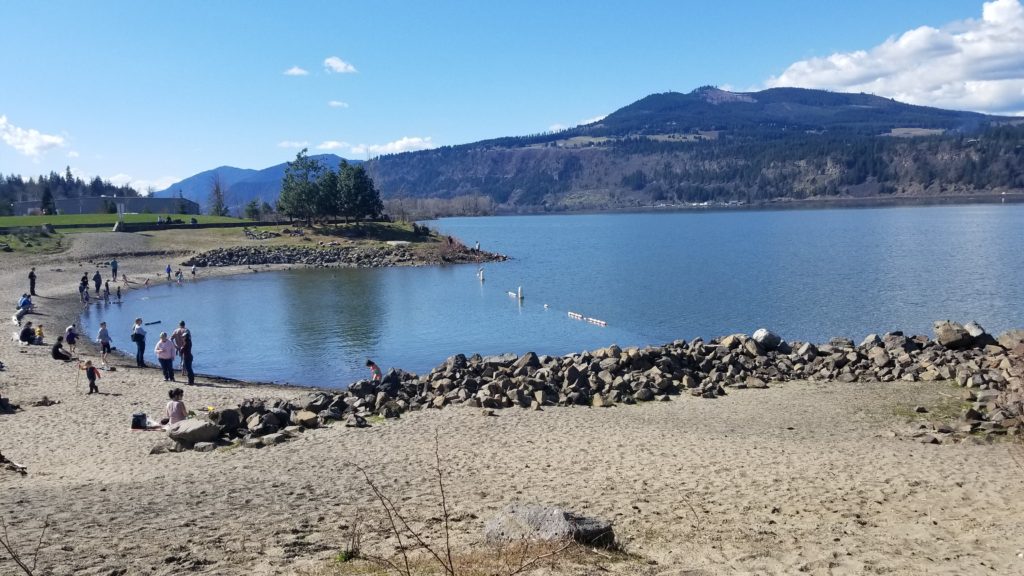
147 93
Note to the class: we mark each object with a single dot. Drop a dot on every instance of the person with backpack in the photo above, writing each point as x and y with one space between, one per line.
139 337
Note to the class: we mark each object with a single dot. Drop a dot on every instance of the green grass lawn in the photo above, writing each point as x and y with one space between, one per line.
101 220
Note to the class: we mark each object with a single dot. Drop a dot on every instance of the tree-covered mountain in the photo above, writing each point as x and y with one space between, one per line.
239 185
714 145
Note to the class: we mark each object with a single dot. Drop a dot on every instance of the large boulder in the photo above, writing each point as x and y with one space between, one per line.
979 337
305 418
524 522
1011 338
767 339
192 431
226 418
952 335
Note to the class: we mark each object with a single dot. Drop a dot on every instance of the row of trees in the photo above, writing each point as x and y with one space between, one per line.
54 186
311 191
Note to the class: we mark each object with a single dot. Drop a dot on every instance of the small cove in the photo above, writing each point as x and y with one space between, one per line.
654 277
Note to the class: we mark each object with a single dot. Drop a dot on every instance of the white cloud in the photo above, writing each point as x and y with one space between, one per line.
30 141
970 64
332 145
292 144
142 184
335 64
592 120
557 127
337 104
73 154
403 144
296 71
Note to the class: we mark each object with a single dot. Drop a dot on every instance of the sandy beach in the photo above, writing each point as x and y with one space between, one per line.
798 478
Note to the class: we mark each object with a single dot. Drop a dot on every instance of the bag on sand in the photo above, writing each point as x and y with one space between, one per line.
139 421
193 431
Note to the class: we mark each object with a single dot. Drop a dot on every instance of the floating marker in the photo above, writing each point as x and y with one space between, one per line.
588 319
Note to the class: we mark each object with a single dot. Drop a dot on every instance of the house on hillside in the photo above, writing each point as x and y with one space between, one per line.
108 204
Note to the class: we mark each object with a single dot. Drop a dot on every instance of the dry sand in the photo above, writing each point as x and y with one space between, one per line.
799 478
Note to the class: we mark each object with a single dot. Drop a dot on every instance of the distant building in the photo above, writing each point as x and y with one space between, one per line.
105 204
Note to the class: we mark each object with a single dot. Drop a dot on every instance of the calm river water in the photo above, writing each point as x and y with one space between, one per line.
653 277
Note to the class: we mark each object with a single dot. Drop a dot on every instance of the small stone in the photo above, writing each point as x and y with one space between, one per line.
920 409
204 447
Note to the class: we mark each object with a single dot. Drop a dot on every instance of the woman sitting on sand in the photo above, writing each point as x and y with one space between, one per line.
57 351
175 410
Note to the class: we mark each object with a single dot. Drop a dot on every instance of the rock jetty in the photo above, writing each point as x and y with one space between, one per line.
991 371
325 256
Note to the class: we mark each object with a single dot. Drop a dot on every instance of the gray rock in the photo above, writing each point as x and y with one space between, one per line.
275 438
226 418
767 339
1011 339
191 431
870 341
951 335
204 447
305 418
524 522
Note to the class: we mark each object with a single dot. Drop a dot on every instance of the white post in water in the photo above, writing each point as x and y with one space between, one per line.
519 292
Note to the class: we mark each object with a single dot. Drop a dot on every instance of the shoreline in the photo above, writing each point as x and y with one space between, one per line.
761 481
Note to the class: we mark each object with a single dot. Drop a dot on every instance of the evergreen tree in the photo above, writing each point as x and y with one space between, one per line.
299 187
252 210
47 205
367 200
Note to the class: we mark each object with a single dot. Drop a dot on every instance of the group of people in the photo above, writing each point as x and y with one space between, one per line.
178 344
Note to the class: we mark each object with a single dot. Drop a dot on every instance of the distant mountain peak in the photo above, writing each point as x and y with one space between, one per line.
715 95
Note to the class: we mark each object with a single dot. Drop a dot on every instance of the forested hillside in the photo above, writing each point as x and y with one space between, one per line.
717 146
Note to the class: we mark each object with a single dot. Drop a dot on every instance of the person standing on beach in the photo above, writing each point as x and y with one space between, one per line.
32 282
98 281
103 337
139 337
164 350
118 294
193 271
113 269
91 374
186 358
375 374
168 270
71 336
83 287
106 292
178 338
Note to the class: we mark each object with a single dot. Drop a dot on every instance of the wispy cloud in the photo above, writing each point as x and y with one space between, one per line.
142 184
970 64
292 144
403 144
73 154
296 71
332 145
557 127
28 141
337 104
335 64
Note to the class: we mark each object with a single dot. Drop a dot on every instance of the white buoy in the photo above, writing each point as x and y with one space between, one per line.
519 292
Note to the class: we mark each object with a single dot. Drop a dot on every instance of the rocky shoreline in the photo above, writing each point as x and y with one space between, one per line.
324 256
990 370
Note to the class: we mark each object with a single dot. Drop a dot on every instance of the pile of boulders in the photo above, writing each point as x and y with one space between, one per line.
333 256
990 369
253 234
314 256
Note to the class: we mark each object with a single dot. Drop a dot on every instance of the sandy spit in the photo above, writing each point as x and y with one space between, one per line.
799 478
